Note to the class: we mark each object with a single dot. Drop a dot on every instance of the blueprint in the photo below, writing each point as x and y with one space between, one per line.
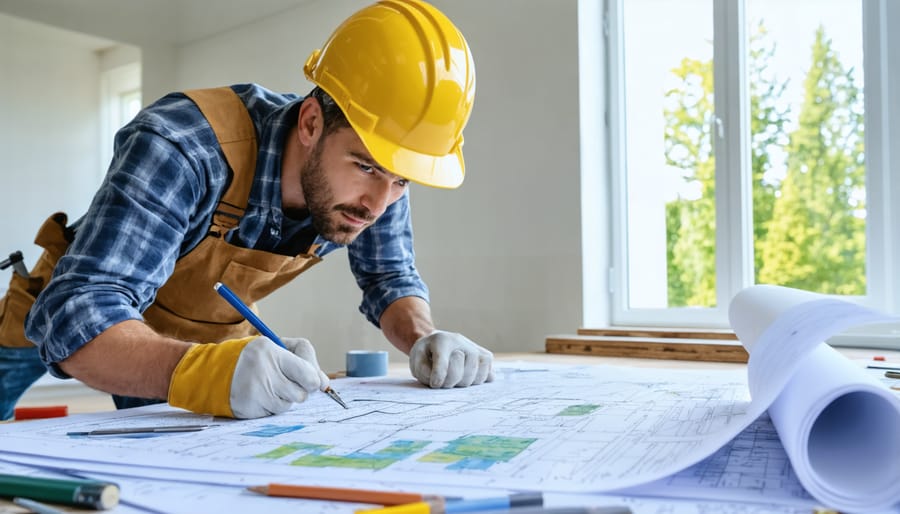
753 466
750 474
561 430
566 429
836 423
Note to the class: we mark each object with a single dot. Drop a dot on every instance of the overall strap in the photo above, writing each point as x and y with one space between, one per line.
236 134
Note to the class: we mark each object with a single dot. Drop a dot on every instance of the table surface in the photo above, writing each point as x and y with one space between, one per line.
82 399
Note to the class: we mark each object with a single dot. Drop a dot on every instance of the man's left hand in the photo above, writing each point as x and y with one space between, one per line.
447 359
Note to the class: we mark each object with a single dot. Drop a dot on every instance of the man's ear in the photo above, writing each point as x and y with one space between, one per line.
310 123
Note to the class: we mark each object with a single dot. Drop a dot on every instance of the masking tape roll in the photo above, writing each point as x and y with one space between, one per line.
365 363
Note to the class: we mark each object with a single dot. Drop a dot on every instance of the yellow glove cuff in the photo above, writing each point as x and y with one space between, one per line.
201 381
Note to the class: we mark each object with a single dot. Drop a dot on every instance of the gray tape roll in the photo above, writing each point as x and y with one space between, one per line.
364 363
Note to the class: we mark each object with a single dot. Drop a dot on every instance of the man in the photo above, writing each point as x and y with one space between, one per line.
251 188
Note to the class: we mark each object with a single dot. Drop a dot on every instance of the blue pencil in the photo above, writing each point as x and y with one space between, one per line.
254 320
245 311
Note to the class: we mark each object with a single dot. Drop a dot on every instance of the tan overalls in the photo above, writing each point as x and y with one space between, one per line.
186 306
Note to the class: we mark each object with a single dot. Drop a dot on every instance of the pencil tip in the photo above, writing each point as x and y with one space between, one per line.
261 489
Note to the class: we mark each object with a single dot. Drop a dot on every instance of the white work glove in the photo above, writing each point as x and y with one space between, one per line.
246 378
269 380
446 359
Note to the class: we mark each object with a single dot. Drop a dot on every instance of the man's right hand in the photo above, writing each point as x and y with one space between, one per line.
245 378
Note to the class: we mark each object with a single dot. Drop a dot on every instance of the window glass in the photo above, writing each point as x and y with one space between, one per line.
668 89
808 149
802 84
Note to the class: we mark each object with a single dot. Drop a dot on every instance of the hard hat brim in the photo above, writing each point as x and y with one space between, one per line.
442 171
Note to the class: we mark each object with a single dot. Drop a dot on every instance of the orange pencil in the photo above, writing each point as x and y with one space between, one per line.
343 494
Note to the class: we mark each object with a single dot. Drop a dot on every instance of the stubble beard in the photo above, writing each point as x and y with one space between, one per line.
326 216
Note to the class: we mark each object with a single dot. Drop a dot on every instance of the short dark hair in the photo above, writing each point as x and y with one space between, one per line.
332 114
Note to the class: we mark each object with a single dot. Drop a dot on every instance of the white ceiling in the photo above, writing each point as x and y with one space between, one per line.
143 22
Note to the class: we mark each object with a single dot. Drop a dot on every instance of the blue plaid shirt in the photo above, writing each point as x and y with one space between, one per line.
156 204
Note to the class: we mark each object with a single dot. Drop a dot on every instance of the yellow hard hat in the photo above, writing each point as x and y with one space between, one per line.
404 77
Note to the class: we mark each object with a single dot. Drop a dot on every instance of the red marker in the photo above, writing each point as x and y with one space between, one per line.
50 411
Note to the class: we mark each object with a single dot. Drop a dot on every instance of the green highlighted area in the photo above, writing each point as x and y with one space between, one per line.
315 456
578 410
477 452
287 449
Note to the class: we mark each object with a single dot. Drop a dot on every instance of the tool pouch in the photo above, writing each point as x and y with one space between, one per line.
54 237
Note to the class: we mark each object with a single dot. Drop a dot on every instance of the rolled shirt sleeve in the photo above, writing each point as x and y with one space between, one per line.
127 243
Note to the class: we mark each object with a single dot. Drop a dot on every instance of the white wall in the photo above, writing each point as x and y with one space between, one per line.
49 130
502 254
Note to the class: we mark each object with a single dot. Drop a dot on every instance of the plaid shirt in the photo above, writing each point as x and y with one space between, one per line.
156 204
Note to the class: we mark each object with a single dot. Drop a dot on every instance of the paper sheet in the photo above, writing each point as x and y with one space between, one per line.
556 429
838 426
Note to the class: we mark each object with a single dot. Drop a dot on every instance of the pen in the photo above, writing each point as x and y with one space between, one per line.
36 507
505 504
141 430
79 493
499 503
892 367
254 320
342 494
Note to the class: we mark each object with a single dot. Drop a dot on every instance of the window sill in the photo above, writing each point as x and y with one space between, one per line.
691 344
639 342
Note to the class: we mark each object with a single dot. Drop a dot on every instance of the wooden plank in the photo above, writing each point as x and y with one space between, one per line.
648 348
666 333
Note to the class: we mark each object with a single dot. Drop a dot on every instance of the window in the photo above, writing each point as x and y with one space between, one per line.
748 144
120 94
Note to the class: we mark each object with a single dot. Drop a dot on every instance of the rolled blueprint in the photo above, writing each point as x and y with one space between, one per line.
839 427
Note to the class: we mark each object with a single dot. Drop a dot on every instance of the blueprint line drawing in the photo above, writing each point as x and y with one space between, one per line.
569 429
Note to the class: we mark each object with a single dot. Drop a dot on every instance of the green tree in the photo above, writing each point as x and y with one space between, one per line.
690 222
816 237
768 120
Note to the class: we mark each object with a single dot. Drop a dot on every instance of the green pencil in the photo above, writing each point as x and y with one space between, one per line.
80 493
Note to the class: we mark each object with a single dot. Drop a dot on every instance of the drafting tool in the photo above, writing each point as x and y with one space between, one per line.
140 430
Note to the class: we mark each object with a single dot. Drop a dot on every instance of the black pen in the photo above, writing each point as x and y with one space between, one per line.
141 430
